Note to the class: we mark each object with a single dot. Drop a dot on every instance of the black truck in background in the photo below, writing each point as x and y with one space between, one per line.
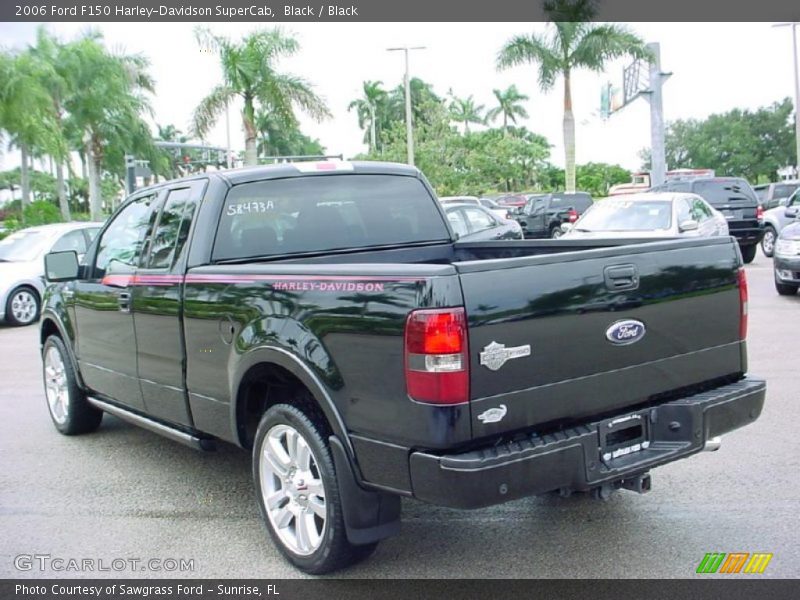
735 199
543 214
324 317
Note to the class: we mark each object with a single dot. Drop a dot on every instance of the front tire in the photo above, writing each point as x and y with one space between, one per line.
768 241
23 306
785 289
298 494
748 253
71 413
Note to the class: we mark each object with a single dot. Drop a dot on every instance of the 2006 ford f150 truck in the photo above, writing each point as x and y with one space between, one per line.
324 316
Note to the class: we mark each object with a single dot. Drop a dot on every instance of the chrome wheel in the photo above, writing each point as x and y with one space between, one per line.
24 307
292 489
55 384
768 242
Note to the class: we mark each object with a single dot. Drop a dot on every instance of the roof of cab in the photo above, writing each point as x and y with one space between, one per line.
303 169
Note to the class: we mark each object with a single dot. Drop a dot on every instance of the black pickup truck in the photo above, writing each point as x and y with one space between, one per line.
324 317
543 214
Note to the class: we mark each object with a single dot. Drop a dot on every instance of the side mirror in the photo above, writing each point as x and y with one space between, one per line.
61 266
791 212
690 225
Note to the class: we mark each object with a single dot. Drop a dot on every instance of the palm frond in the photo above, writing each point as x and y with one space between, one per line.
209 110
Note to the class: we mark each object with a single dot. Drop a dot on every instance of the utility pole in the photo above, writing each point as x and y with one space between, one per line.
796 94
228 161
407 84
658 159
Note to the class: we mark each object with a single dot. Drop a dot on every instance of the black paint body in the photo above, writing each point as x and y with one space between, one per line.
179 349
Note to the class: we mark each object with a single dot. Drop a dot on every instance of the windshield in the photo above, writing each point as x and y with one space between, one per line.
627 215
785 190
22 246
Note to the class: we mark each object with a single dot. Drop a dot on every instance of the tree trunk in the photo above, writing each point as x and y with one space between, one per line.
250 134
372 136
95 192
61 189
505 123
569 136
24 176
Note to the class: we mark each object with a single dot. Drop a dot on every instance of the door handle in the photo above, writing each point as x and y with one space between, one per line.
124 301
620 278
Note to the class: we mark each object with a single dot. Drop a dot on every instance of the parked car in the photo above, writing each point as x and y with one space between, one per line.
650 214
22 268
370 355
498 209
775 219
511 200
543 214
735 199
786 261
476 223
775 194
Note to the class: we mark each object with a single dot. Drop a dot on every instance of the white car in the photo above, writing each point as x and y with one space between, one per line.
22 265
650 214
487 203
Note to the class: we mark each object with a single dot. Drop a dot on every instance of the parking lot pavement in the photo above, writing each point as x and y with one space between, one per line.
124 493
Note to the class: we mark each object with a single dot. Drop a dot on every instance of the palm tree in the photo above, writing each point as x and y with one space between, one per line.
572 42
367 108
26 111
509 105
248 71
106 107
464 110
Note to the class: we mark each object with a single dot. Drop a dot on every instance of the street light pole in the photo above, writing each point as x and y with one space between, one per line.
796 93
407 85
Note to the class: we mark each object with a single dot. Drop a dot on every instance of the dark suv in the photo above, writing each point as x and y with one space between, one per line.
543 214
735 199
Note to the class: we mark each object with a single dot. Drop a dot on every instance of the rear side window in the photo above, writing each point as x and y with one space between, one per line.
172 230
323 213
717 192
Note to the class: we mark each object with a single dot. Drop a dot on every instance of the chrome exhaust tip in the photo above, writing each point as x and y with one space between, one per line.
713 444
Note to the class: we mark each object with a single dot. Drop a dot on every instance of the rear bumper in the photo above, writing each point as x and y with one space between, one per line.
572 459
746 236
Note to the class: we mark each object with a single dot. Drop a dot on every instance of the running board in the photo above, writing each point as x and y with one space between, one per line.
176 435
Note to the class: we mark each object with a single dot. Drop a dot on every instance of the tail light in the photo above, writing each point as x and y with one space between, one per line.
573 215
436 367
760 213
742 304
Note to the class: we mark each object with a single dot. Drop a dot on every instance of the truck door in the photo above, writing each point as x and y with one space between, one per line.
157 307
105 335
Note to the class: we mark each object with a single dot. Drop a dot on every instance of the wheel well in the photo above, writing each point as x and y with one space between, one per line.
265 385
48 328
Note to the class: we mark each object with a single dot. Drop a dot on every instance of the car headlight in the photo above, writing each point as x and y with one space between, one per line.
787 247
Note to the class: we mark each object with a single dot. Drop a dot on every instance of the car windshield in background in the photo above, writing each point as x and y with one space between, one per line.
324 213
785 190
22 246
721 192
577 201
627 215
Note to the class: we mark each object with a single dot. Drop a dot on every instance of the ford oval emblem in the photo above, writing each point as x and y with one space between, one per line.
625 332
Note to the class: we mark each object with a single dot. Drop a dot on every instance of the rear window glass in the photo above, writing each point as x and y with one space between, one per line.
721 192
577 201
322 213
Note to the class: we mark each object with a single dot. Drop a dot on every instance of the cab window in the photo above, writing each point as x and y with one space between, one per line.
171 232
120 245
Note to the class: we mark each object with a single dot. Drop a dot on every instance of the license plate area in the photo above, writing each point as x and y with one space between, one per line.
623 436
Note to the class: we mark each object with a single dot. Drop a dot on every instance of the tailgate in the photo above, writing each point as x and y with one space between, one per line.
541 329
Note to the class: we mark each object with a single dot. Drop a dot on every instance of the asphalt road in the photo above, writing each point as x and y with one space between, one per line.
126 493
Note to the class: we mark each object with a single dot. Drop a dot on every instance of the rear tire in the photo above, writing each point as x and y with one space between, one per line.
768 241
298 493
66 402
556 233
23 306
786 289
748 253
